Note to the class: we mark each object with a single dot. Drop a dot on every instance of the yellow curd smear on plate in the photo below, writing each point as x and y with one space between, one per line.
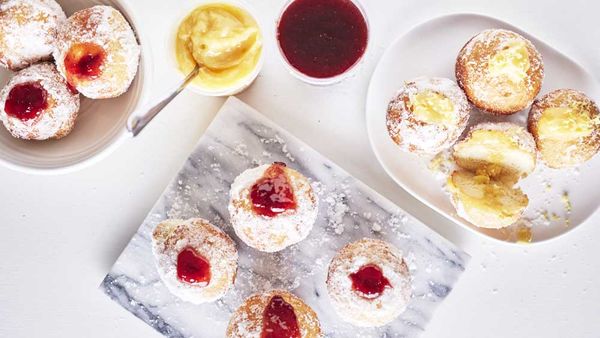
224 39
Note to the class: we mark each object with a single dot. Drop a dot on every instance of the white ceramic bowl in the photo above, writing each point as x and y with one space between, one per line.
100 126
172 35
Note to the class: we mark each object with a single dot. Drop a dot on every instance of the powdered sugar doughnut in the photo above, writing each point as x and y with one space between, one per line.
276 313
500 71
97 52
37 104
566 126
369 283
28 31
427 115
272 207
195 259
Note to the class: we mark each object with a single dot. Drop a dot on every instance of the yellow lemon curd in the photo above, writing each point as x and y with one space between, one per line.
565 123
524 234
480 192
431 107
496 142
512 61
224 39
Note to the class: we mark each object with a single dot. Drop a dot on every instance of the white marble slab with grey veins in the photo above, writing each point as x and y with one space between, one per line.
240 138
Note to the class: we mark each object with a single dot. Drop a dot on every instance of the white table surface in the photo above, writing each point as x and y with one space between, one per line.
60 235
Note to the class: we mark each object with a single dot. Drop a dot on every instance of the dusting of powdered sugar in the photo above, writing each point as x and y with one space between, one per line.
337 207
348 303
494 93
170 237
28 31
413 135
277 139
272 234
55 121
106 27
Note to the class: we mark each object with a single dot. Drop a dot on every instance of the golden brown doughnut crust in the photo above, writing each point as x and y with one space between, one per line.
168 239
493 94
246 321
106 27
562 154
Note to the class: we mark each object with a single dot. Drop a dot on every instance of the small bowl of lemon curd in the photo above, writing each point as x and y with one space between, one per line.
226 40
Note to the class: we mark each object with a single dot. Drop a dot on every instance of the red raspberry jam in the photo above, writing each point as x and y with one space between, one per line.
84 61
192 267
273 194
322 38
369 281
279 320
26 101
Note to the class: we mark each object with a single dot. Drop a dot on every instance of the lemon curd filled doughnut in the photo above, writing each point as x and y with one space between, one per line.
195 259
369 283
97 52
272 207
274 314
500 71
499 150
566 127
485 201
427 115
37 104
28 31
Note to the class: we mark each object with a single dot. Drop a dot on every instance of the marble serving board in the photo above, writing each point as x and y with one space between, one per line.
240 138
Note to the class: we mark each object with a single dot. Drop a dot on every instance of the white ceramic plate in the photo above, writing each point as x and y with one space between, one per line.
100 126
430 49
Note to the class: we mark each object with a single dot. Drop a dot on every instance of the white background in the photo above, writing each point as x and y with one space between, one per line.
60 235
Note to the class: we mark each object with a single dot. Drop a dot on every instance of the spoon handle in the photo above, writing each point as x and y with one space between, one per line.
137 122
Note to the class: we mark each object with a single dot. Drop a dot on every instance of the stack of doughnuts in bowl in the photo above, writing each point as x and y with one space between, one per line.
78 75
500 73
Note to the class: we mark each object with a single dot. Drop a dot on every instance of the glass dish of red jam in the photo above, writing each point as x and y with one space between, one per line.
322 41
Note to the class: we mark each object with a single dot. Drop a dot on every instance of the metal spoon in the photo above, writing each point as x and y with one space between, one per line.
138 122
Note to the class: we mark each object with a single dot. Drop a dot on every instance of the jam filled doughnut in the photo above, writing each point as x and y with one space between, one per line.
274 314
369 283
566 127
37 104
28 31
272 207
500 71
195 259
97 52
499 150
485 201
427 115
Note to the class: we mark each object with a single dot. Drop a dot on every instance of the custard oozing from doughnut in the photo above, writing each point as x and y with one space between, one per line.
485 201
431 107
565 123
512 62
